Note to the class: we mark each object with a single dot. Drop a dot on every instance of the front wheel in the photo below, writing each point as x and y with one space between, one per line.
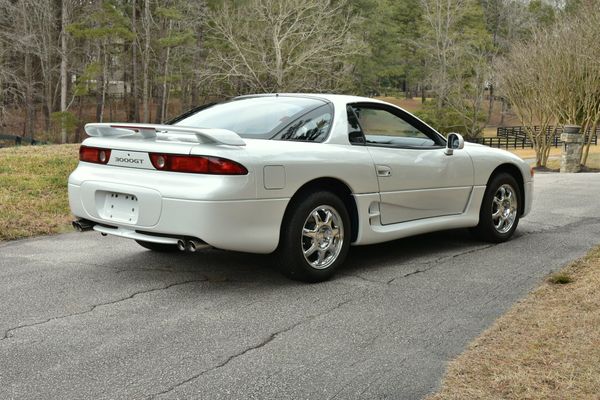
499 214
315 237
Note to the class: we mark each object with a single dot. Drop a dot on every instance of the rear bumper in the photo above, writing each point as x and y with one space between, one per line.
239 225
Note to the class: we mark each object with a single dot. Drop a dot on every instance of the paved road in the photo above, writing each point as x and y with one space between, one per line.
83 316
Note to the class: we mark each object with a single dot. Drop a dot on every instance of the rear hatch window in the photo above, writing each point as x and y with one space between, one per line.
254 117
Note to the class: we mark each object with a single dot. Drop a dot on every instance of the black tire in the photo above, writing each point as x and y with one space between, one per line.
487 229
158 247
293 242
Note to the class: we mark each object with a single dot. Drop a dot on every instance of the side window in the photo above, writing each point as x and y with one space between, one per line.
381 127
311 127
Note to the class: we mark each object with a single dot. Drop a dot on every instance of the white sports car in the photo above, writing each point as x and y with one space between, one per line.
301 175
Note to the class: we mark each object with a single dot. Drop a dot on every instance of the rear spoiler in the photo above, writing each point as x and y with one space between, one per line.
199 135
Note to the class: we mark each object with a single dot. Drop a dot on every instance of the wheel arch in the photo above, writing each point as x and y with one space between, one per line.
516 173
334 185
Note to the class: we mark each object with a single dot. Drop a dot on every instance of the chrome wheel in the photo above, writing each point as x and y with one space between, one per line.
504 208
322 237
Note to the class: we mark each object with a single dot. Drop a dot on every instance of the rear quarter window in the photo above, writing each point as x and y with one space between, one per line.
311 127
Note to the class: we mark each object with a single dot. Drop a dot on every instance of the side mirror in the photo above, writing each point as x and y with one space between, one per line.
455 142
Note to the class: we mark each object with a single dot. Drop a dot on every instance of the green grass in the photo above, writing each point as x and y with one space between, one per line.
33 189
560 278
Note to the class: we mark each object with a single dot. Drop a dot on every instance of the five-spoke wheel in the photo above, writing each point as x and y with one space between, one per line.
314 237
499 214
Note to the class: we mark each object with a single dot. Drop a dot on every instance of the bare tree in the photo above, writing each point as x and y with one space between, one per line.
281 45
28 30
458 63
467 90
576 67
440 43
65 14
527 80
147 23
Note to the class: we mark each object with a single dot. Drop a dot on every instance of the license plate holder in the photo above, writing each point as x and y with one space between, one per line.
121 207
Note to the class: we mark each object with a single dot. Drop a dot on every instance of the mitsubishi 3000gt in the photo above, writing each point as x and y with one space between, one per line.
303 176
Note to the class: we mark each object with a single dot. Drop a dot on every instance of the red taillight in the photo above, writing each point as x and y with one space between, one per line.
94 155
196 164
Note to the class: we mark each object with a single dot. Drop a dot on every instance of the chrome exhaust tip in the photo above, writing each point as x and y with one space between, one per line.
192 246
181 245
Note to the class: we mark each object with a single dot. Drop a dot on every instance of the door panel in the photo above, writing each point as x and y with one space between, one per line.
416 178
410 205
422 183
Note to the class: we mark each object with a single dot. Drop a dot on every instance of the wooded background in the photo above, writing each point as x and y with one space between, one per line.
65 63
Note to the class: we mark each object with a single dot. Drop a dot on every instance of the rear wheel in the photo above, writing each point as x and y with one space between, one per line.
158 247
315 237
499 213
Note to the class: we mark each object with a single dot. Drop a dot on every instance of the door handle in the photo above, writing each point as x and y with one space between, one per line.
383 170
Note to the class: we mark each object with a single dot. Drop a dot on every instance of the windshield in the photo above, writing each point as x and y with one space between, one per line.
254 117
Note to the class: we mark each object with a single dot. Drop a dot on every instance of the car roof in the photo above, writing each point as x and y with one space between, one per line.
339 99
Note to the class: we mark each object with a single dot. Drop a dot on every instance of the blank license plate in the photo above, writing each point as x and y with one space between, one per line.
121 207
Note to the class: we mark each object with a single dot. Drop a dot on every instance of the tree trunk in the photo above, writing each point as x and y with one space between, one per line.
490 105
586 151
63 71
407 91
135 114
105 79
79 118
158 103
99 105
503 111
47 111
146 62
165 95
29 110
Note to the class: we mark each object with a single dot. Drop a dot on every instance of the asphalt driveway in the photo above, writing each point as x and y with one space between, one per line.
84 316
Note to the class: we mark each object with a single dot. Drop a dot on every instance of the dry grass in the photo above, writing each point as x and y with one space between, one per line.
33 189
593 162
530 153
490 132
545 347
554 162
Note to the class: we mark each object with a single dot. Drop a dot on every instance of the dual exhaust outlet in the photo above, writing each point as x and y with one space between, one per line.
191 245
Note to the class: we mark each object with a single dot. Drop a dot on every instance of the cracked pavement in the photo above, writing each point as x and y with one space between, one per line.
84 316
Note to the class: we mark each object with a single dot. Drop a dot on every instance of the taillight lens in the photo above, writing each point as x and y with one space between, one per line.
196 164
94 155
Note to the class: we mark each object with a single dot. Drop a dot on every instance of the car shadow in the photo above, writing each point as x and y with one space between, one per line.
411 250
234 267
